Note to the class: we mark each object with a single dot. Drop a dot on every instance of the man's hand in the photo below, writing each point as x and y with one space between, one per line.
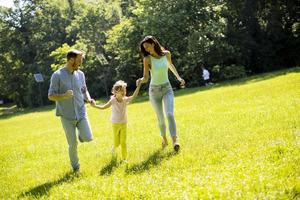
93 102
68 94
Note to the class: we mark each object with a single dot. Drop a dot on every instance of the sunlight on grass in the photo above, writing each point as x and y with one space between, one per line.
239 140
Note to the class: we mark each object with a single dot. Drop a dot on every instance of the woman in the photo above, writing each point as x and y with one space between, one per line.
157 60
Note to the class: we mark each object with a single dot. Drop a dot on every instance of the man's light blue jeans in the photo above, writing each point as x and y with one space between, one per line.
84 135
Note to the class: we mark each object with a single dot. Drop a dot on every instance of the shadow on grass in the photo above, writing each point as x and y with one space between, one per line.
44 189
13 111
153 160
109 167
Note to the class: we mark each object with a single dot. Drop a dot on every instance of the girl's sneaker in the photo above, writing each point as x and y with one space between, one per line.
124 162
113 150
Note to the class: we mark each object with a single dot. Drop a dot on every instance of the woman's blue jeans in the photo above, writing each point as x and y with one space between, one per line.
163 96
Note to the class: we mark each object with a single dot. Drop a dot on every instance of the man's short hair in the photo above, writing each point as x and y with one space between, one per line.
74 53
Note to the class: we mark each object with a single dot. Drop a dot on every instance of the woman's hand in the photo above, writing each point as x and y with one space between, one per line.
182 82
138 82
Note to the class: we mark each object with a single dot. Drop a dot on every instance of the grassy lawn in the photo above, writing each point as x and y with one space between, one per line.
240 140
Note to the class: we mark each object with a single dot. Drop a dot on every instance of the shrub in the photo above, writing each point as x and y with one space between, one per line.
221 73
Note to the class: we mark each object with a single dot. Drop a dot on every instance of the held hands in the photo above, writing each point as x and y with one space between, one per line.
68 94
93 102
138 82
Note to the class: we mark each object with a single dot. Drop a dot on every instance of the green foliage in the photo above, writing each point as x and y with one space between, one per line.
59 56
90 27
221 73
33 30
122 43
262 31
259 35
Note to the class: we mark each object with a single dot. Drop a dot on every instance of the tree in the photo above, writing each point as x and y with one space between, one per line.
27 44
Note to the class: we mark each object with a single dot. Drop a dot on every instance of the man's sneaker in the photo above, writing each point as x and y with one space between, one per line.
176 147
124 162
76 169
80 139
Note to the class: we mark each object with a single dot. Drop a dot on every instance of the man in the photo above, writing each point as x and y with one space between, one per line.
68 89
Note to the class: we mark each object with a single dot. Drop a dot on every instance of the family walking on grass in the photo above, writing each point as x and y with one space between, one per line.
68 89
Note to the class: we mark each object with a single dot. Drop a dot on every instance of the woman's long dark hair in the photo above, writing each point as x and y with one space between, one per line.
152 40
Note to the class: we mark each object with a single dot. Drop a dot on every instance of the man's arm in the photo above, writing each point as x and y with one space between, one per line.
58 97
53 93
87 95
88 98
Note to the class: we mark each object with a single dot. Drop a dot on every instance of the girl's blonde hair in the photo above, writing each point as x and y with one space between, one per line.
118 86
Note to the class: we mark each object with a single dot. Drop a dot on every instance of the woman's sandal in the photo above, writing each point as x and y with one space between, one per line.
176 147
164 144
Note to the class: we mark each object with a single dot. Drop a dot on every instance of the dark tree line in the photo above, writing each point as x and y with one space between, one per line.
232 38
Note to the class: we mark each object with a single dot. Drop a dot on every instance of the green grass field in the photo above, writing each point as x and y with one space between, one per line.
240 140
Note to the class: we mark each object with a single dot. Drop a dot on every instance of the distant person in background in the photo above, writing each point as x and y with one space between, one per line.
157 61
206 76
68 89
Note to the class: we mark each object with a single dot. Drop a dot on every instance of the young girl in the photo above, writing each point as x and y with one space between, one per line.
119 102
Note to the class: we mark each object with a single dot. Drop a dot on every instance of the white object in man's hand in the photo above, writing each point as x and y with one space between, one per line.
68 94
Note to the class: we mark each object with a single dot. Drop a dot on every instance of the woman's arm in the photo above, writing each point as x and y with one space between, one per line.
173 69
102 107
145 78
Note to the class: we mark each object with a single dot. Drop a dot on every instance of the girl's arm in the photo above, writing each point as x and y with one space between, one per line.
173 69
136 92
102 107
145 78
